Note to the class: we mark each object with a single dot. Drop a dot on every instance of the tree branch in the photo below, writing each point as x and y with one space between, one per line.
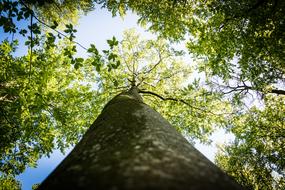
277 91
151 69
246 88
178 100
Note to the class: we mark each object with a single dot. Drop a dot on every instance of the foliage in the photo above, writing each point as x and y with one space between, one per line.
240 43
44 92
46 98
244 41
9 183
256 157
235 38
159 71
41 105
50 11
63 12
35 186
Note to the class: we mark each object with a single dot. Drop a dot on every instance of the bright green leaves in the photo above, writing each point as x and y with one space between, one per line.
36 24
237 44
96 58
78 62
50 40
8 182
112 42
256 157
41 111
112 57
241 42
195 111
93 49
7 48
154 66
35 28
66 12
54 25
237 40
70 31
108 57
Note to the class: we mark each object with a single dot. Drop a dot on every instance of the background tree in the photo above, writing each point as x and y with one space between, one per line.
39 107
9 183
39 11
256 157
245 44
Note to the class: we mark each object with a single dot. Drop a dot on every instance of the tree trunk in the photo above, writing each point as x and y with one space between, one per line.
131 146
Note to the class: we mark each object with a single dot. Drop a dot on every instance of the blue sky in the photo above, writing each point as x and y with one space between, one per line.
96 28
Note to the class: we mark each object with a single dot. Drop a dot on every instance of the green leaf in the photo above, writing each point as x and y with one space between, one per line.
55 25
77 65
106 51
116 83
98 67
79 60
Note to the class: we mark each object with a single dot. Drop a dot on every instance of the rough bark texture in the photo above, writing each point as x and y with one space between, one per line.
131 146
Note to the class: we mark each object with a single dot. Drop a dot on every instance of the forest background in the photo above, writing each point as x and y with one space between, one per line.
237 57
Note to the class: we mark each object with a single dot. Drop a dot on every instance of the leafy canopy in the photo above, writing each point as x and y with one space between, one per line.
240 44
40 105
163 79
49 97
235 38
256 157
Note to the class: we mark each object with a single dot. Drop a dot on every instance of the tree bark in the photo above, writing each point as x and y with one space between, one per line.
131 146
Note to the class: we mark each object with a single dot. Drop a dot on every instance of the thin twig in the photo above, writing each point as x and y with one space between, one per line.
151 69
59 32
31 46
